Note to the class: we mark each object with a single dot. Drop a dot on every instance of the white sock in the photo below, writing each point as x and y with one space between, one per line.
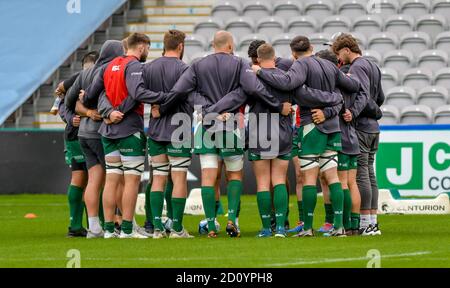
135 225
237 222
94 224
365 221
373 219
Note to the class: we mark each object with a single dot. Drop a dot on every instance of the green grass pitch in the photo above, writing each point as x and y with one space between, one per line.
407 241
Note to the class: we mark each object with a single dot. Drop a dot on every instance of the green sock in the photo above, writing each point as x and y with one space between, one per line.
355 220
309 195
209 203
76 207
300 210
329 216
265 207
219 208
280 201
168 197
337 201
347 209
148 207
178 205
101 216
157 203
109 226
127 226
234 189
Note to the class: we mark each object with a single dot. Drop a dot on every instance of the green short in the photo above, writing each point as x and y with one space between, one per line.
156 148
256 157
222 143
314 142
133 145
73 152
347 162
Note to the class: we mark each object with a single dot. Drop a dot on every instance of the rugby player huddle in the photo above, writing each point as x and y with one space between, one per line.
234 105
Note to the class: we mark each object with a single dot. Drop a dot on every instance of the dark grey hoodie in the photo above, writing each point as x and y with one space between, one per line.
88 127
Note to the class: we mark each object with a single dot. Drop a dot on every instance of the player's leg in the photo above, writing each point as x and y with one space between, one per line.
343 174
76 161
132 156
363 181
168 191
298 192
179 165
160 164
261 169
96 181
149 228
209 163
355 194
374 201
232 153
114 176
328 166
160 170
329 215
278 171
313 142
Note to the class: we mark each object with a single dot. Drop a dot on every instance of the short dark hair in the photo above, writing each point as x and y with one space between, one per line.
253 48
346 41
172 39
266 52
91 56
137 38
300 44
328 55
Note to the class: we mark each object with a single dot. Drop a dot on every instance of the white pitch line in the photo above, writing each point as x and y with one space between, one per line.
336 260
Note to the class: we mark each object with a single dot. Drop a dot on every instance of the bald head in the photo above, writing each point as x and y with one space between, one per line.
223 41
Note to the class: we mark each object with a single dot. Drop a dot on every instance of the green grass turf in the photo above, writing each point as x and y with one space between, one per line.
407 241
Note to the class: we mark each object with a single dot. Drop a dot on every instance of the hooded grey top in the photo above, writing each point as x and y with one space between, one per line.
88 127
315 73
369 75
213 77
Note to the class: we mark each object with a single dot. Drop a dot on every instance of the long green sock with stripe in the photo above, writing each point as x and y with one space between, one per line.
355 220
309 196
178 205
209 205
265 207
337 201
148 207
329 216
234 189
157 203
76 207
168 197
280 201
347 209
